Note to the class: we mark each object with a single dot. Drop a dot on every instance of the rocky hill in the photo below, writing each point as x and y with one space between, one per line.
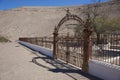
37 21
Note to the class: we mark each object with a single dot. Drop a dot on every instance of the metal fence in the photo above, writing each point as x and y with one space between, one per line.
106 47
46 42
70 50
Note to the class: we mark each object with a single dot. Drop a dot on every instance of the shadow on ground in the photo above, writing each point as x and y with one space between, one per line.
74 73
63 68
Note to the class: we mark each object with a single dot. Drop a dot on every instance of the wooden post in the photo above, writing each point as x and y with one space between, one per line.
55 44
87 46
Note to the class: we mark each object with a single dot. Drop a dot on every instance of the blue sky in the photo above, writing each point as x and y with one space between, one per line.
8 4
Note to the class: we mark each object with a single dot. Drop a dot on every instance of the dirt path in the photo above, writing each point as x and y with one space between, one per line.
19 63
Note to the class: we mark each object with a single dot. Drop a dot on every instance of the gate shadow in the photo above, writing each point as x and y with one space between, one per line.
63 68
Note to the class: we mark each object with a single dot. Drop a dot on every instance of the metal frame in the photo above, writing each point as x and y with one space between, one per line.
87 42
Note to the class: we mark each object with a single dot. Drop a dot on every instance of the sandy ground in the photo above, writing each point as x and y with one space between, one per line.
19 63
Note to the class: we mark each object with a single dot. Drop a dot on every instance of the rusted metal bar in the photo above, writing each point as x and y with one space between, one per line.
67 49
87 46
55 44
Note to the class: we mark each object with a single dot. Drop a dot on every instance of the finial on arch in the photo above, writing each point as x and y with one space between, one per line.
67 11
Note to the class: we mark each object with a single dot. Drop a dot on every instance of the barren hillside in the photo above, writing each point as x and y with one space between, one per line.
35 21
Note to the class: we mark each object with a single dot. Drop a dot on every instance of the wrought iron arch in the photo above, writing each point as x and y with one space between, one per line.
87 33
68 17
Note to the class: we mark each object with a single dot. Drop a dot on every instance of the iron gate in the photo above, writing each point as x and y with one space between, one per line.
70 50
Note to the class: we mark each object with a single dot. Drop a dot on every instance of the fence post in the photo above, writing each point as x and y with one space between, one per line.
87 46
36 41
55 34
42 42
67 48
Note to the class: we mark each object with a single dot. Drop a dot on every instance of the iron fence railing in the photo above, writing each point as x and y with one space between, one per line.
40 41
107 48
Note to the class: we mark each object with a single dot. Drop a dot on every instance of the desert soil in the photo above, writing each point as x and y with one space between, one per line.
16 63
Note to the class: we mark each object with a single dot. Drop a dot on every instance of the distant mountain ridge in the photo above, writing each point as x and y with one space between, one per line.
38 21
